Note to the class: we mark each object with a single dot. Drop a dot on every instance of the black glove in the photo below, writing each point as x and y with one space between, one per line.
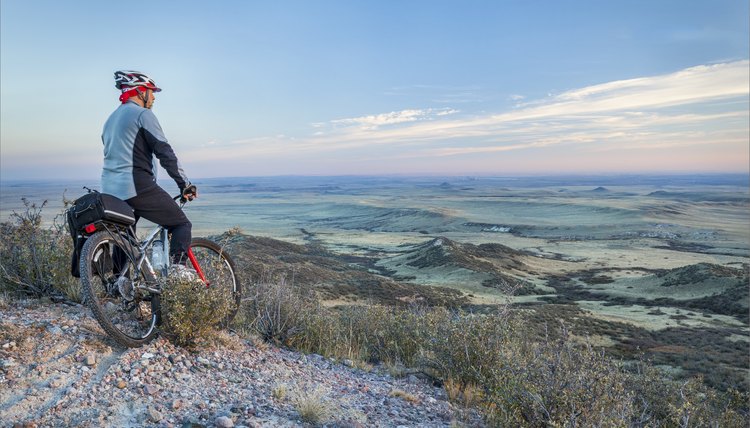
189 193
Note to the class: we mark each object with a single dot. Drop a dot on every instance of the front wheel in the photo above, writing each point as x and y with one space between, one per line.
113 289
219 273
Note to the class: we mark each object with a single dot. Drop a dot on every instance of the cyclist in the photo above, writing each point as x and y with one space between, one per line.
133 141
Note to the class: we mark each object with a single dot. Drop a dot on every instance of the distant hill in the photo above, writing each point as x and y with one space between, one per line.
712 196
334 276
499 264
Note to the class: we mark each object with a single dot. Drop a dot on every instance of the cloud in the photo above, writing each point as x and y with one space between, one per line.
701 105
392 118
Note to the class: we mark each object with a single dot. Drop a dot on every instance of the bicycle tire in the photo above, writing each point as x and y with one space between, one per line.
131 321
219 270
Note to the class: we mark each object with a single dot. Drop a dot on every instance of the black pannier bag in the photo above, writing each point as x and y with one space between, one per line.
91 208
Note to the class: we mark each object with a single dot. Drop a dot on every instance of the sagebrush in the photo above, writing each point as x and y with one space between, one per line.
36 260
488 361
192 312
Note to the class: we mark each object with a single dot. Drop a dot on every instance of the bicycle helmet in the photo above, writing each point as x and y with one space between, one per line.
126 80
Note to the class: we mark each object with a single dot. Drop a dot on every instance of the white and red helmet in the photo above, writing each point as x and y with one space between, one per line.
126 80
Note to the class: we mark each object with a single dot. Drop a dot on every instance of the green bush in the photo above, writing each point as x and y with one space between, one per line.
385 333
191 311
466 348
556 383
35 260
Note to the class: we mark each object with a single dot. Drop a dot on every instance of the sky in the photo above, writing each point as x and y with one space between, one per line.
413 87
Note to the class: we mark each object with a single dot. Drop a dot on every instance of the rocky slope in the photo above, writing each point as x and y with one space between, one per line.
57 368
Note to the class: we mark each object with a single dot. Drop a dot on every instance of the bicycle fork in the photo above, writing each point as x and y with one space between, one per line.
197 267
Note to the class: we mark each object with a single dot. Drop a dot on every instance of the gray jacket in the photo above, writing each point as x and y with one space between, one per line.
133 141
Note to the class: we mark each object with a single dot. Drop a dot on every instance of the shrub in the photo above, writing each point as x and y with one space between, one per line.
388 334
466 348
684 403
191 310
277 309
492 362
555 383
35 260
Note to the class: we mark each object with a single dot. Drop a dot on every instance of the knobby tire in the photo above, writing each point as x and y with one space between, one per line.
131 322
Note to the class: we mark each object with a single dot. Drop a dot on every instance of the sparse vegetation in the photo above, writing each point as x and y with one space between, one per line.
313 407
279 392
492 362
34 260
398 393
191 310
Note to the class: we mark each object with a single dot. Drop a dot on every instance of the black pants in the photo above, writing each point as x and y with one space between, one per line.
157 206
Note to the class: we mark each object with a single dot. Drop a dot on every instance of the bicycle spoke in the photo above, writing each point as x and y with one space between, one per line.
110 283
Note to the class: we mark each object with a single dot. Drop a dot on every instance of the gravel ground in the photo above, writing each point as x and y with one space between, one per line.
57 368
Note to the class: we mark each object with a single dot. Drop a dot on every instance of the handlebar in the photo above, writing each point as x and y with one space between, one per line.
190 190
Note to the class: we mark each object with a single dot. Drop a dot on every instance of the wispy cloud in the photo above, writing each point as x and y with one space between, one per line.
697 105
373 122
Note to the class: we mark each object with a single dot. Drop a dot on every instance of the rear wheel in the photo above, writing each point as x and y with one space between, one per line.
112 284
220 274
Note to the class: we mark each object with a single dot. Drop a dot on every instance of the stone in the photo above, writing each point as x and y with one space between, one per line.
6 363
223 422
154 415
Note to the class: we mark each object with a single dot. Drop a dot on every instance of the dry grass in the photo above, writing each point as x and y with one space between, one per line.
466 395
313 407
411 398
280 391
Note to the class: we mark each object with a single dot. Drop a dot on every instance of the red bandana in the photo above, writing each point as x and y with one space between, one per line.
129 93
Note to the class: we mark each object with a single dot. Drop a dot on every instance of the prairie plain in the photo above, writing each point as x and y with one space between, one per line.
646 266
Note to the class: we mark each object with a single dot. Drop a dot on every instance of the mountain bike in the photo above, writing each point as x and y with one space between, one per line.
122 278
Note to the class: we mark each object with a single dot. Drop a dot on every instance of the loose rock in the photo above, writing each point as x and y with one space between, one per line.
223 422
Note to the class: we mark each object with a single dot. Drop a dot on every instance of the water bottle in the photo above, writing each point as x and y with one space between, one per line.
157 255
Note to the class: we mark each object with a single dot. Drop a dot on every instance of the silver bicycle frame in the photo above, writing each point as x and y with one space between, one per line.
158 232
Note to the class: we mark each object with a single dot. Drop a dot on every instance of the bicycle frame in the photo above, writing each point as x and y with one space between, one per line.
163 234
158 232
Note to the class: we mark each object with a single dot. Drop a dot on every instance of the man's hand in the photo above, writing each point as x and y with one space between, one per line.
189 193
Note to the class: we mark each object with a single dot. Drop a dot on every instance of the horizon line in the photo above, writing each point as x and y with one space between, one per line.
430 175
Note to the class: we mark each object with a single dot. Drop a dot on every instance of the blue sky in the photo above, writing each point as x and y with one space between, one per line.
384 87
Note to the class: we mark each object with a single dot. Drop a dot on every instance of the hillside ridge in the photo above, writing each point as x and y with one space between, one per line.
58 368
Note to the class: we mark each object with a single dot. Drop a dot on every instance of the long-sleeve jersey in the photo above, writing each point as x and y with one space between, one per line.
133 141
